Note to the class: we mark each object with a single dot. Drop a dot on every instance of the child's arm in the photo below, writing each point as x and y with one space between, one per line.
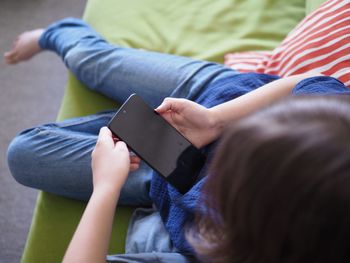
91 239
110 165
257 99
202 126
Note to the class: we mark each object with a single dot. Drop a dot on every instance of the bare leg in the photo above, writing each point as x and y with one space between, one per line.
24 47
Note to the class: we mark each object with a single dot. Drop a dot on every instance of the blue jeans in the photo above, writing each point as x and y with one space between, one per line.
56 157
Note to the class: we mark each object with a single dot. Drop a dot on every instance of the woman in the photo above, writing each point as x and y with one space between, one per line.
221 95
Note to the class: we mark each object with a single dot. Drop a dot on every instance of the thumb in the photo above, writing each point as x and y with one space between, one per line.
169 104
163 107
105 136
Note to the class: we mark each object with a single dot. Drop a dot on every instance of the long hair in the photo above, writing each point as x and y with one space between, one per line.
279 188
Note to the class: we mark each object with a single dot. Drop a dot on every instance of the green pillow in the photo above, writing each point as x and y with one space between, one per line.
312 5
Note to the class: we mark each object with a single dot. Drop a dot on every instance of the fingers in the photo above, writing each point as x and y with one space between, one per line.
164 107
170 104
115 138
104 133
135 159
120 145
134 167
105 137
134 163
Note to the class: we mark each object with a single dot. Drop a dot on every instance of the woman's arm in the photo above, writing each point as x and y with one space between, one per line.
110 166
252 101
202 126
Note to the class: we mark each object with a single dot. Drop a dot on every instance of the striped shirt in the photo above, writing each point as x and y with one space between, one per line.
320 42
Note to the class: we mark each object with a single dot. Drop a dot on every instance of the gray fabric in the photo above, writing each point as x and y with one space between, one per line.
148 241
150 258
147 233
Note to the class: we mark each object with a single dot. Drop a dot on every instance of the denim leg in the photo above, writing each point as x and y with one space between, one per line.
56 158
118 72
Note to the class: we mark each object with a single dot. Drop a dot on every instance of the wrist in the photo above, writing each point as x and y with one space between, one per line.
217 123
107 188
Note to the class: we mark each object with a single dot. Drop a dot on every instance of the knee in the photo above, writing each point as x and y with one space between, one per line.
84 61
21 157
81 63
70 22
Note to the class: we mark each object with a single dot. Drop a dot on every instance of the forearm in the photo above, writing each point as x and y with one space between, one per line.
91 239
257 99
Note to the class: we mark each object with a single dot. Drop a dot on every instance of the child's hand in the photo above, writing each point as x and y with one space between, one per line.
192 120
111 162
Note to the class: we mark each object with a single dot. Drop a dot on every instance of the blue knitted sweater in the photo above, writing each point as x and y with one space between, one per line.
177 210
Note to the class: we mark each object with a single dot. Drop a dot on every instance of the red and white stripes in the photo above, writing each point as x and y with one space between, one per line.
246 61
321 42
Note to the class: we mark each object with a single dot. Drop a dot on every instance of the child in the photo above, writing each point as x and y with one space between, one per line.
277 192
63 149
279 186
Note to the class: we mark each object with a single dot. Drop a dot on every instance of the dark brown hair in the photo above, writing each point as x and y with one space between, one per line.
279 190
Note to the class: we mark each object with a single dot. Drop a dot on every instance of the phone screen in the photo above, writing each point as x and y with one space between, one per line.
159 144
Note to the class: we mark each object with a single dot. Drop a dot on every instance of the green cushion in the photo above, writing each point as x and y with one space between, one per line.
312 5
204 29
55 220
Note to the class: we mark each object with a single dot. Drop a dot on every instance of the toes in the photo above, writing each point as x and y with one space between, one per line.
9 54
10 61
10 57
24 47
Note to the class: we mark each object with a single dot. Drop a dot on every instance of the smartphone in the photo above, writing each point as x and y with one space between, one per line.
158 143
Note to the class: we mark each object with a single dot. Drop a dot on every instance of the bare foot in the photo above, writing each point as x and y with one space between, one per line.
24 47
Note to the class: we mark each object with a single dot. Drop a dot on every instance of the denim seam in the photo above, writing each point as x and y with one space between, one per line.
83 120
53 133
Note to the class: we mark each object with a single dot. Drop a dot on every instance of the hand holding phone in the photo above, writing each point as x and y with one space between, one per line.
159 144
195 122
110 162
